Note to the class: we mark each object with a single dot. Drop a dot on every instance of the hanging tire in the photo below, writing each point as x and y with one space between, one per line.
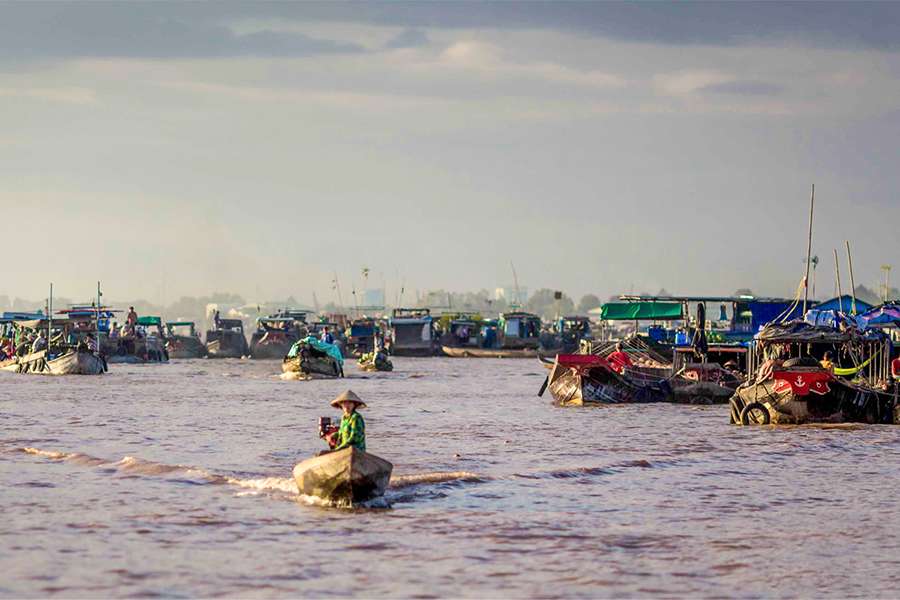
755 407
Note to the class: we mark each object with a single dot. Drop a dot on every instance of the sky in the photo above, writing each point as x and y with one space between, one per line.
173 149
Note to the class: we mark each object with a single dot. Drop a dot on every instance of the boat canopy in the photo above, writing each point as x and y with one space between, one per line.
803 332
149 321
180 323
330 349
635 311
882 316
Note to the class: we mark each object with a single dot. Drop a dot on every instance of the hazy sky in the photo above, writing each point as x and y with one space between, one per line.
178 149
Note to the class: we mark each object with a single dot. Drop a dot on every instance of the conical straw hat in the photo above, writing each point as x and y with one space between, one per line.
348 396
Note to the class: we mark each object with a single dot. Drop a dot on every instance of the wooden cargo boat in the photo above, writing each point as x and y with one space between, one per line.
72 362
147 343
412 332
276 333
183 341
790 385
579 379
227 339
344 478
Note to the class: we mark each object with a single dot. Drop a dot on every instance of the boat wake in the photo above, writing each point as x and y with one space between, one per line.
279 487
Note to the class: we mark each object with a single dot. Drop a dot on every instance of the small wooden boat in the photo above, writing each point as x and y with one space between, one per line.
375 361
72 362
344 478
489 352
313 357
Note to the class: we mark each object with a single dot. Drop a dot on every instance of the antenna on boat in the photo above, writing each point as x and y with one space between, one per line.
515 303
837 275
852 282
812 203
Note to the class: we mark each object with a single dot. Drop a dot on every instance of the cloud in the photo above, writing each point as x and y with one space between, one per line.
67 95
40 31
824 24
408 38
683 83
743 88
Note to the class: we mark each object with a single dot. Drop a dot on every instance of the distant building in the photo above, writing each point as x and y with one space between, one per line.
509 294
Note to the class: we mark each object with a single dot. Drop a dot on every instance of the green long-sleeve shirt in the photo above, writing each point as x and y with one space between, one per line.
352 432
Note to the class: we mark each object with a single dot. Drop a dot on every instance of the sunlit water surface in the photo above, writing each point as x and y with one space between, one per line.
174 480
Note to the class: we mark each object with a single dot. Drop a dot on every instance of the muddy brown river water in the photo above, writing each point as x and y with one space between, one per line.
174 480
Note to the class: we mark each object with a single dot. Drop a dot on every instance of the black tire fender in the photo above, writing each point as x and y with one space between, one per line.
745 413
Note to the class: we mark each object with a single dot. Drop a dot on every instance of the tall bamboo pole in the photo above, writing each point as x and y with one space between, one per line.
49 318
852 282
812 202
837 275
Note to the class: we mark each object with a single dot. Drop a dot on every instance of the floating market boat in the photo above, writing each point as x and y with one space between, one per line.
345 478
790 385
579 379
566 336
276 333
362 336
317 330
519 331
147 343
375 361
312 357
69 353
183 341
412 332
469 352
227 339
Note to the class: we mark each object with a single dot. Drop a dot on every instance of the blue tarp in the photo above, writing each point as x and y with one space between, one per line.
329 349
886 314
833 319
766 312
844 303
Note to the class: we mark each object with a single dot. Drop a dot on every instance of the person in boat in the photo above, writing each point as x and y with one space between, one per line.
352 430
619 359
40 343
326 336
131 320
895 370
216 319
827 361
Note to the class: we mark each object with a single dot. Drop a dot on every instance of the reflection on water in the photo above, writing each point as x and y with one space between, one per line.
175 480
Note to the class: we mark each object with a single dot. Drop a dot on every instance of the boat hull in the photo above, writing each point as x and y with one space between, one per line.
321 366
578 387
489 352
270 351
185 347
70 363
216 349
344 478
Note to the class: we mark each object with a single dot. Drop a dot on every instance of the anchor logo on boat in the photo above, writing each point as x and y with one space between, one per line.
800 382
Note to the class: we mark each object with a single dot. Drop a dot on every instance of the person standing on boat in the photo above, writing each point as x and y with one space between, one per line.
131 320
326 336
619 359
352 430
40 343
827 361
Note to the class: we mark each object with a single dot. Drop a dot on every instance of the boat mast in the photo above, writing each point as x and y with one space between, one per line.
98 314
49 317
837 275
515 303
852 282
812 202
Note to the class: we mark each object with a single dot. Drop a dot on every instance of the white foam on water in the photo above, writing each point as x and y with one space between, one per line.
278 484
400 481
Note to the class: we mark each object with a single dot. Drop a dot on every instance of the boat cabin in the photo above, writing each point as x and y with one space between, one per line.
460 329
181 329
362 336
412 332
519 330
